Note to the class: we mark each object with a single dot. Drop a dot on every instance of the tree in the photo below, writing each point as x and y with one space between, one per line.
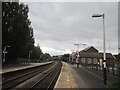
46 57
65 57
16 30
36 52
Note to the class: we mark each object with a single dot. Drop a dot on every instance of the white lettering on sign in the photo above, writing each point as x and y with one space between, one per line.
104 63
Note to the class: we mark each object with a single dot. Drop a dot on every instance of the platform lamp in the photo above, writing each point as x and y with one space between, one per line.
104 61
29 55
78 45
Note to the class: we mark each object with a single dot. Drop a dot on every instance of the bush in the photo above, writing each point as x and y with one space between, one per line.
115 85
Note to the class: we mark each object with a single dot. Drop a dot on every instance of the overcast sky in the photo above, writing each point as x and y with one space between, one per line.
59 25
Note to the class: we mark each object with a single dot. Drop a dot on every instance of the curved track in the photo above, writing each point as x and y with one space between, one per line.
49 79
41 77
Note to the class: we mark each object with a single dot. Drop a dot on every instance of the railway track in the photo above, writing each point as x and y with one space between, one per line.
7 76
12 79
49 79
35 78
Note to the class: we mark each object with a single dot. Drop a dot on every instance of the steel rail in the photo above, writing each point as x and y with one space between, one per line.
51 69
54 78
23 75
23 71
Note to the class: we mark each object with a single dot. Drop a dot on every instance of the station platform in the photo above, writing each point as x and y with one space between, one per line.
66 79
19 67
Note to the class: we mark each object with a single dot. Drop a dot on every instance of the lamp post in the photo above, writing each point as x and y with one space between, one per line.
4 53
78 51
104 61
78 48
29 55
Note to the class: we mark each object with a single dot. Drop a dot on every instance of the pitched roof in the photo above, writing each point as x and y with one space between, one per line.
74 53
95 55
88 49
108 55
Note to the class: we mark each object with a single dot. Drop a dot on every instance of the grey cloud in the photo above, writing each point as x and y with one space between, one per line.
60 25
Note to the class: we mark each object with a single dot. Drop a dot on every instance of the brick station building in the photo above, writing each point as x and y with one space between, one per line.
91 57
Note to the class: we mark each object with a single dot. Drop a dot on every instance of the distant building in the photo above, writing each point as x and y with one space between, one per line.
91 57
73 57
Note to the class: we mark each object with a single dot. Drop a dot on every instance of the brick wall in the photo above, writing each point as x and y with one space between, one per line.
110 62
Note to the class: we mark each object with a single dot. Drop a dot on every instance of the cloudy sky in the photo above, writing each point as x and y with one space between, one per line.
59 25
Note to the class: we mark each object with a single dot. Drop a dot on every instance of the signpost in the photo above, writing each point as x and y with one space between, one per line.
4 53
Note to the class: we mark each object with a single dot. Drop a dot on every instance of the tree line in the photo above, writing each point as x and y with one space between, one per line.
64 57
17 33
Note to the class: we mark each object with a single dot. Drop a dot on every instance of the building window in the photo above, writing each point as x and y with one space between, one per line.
89 61
95 61
83 60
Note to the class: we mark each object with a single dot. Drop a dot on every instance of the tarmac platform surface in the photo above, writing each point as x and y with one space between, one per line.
19 67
